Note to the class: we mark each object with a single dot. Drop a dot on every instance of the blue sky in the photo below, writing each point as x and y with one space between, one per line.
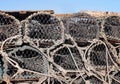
61 6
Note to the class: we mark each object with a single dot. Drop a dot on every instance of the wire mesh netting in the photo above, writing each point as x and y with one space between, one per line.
68 57
25 55
97 56
46 49
117 76
44 27
111 27
9 26
82 27
25 62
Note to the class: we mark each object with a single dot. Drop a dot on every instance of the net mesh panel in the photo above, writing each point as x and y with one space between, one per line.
28 58
66 24
111 27
63 58
42 26
23 27
25 76
9 26
11 70
117 77
96 56
82 27
118 54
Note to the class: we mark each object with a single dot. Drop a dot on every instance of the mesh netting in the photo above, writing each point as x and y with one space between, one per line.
63 58
44 27
82 27
23 27
11 70
41 52
111 27
97 56
29 58
117 77
9 26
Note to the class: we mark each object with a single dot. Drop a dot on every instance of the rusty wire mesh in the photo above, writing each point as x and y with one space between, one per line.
43 53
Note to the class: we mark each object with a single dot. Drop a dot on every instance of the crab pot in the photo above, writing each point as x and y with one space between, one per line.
44 27
112 27
96 56
9 26
82 27
28 58
63 58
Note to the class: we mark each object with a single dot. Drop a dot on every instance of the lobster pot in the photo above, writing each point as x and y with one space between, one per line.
66 58
117 77
112 27
82 27
96 56
88 80
28 58
44 28
9 26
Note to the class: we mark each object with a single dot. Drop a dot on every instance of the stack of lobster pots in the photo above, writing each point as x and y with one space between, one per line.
40 47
